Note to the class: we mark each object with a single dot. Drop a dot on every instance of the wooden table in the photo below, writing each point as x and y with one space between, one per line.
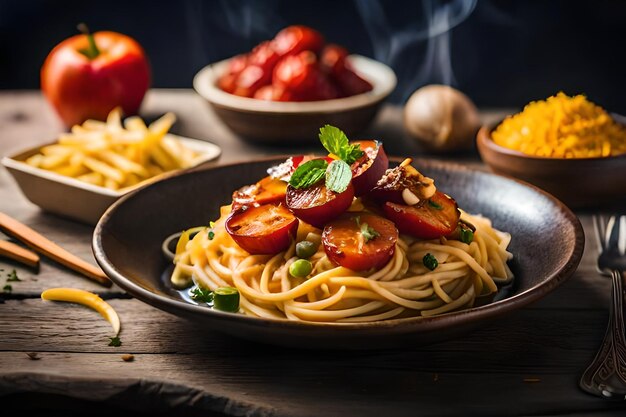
527 364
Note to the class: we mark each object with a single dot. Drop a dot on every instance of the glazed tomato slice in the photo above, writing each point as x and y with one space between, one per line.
268 190
370 167
430 219
317 205
297 38
266 229
346 244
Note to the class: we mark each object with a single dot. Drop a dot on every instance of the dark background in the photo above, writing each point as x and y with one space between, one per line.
501 53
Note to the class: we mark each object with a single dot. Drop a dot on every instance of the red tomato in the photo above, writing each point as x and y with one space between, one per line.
266 229
297 73
317 205
352 83
263 55
267 190
430 219
345 244
250 80
85 83
334 61
297 38
272 93
370 167
228 81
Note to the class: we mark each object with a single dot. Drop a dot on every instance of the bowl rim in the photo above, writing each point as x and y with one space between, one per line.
429 323
483 137
210 151
382 77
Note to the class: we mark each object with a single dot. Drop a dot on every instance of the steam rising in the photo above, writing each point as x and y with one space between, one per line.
400 48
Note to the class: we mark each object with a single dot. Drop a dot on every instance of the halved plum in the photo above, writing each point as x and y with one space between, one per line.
317 205
266 229
430 219
370 167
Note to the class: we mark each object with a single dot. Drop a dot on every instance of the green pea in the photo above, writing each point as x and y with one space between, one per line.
305 249
300 268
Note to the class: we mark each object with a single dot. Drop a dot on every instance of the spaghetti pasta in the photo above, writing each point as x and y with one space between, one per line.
404 286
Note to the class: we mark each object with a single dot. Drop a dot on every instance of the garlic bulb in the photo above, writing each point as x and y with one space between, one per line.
441 118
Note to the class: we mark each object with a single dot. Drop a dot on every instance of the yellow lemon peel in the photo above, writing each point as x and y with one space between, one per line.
86 298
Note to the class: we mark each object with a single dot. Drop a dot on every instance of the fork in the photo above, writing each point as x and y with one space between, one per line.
606 374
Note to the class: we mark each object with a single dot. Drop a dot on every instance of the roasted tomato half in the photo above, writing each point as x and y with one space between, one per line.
266 229
370 167
268 190
360 241
317 205
429 219
334 61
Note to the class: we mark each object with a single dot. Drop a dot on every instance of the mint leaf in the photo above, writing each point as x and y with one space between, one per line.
336 142
308 173
338 176
368 232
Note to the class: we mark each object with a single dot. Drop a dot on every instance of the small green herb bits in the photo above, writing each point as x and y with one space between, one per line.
201 295
300 268
368 232
305 249
226 299
430 261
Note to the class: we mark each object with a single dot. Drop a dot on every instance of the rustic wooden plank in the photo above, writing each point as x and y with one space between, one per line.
331 386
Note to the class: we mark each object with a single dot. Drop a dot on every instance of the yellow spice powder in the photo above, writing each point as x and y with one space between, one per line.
562 127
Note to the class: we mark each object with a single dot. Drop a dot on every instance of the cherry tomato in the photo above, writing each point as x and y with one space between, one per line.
334 62
273 93
317 205
346 244
352 83
297 74
266 229
228 81
297 38
263 55
370 167
250 80
267 190
429 219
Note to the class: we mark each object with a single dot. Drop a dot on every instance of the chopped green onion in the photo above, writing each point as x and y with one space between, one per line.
7 288
115 341
226 299
13 276
300 268
466 234
211 234
430 261
306 249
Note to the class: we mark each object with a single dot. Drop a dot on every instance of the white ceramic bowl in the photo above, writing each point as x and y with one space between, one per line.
78 200
282 122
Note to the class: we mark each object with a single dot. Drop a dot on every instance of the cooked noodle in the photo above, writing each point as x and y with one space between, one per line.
403 287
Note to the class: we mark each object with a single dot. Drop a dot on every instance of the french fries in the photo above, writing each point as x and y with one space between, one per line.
115 154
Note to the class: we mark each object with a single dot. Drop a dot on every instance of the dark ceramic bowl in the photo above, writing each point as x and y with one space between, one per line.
547 244
288 123
578 182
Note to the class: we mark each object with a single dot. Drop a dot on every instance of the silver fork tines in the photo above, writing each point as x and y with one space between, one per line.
606 375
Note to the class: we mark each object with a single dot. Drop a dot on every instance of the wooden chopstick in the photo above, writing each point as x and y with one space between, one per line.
19 254
50 249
